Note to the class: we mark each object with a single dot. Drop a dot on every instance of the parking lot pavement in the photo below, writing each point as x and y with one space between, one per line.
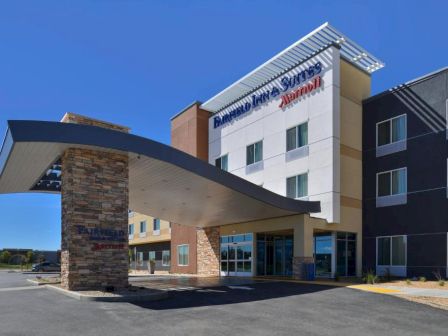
13 279
267 308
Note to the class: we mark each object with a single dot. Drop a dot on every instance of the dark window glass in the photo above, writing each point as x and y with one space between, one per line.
224 266
291 139
384 133
398 251
291 187
384 251
383 184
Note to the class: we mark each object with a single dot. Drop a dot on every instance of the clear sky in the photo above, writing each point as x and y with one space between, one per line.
137 63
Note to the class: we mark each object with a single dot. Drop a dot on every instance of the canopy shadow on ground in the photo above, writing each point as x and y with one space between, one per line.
232 294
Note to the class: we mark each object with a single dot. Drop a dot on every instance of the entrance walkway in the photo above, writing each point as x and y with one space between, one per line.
400 290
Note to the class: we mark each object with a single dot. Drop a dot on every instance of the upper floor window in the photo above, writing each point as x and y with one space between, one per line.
131 229
391 130
297 137
392 182
143 227
254 153
297 186
222 162
156 224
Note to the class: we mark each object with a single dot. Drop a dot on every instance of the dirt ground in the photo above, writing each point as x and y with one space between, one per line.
417 284
441 303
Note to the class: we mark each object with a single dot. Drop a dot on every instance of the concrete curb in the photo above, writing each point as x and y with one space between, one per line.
36 283
131 299
37 273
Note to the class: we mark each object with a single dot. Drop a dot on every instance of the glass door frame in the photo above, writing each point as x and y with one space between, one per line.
234 246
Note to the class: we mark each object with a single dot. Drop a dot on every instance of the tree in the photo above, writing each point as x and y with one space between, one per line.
5 256
29 257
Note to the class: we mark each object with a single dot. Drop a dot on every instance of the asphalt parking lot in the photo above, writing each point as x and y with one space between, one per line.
257 308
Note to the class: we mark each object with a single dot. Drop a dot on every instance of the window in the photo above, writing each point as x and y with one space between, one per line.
166 258
391 251
392 182
140 258
143 227
156 226
297 186
222 162
152 255
254 153
391 130
182 255
131 229
297 137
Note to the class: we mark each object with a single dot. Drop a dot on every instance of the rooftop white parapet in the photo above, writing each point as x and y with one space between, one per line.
308 46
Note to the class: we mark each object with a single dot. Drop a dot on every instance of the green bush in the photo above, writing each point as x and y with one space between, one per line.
370 277
439 278
408 282
422 279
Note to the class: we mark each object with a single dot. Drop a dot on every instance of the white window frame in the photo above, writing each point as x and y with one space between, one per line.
390 121
188 255
390 171
262 150
296 127
307 187
390 257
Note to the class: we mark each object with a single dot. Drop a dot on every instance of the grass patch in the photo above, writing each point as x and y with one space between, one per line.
14 267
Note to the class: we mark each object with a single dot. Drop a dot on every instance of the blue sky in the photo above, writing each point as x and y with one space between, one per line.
138 63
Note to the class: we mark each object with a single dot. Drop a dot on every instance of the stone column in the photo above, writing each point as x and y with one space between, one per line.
303 248
95 200
208 249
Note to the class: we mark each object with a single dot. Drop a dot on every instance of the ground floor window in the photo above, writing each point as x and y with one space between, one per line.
166 258
140 258
236 254
152 255
182 255
274 254
345 254
391 251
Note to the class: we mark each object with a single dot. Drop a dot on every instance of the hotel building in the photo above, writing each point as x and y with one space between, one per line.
293 170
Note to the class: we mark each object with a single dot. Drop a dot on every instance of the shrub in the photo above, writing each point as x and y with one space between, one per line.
370 277
422 279
439 278
408 282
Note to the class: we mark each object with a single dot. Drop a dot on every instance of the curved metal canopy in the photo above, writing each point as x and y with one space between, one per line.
163 181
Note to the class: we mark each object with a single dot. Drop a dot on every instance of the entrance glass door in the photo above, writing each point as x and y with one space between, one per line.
236 255
323 254
274 254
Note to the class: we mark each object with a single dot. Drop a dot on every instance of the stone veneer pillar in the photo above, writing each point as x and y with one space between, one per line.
208 249
298 266
95 200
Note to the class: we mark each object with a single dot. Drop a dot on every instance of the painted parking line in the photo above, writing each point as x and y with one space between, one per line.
11 289
373 289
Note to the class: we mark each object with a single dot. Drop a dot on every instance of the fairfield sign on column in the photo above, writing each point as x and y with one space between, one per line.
287 83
